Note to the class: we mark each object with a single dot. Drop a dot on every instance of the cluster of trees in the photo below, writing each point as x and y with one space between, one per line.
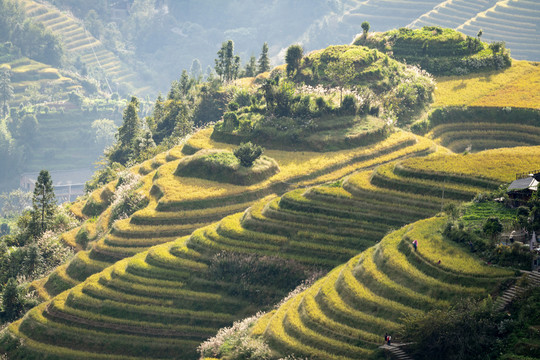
31 39
228 65
32 249
190 103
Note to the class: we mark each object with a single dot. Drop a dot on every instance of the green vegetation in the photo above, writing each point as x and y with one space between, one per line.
224 166
439 51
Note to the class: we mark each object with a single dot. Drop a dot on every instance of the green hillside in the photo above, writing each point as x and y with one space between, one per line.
79 43
440 51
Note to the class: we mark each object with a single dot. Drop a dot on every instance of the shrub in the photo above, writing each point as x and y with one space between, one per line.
348 105
247 153
230 121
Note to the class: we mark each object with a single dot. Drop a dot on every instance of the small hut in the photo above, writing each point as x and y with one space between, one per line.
521 189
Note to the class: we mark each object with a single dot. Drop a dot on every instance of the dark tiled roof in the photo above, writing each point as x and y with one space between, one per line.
522 184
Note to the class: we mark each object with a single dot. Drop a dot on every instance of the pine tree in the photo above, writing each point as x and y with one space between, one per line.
196 70
227 64
264 62
251 67
128 135
293 58
43 205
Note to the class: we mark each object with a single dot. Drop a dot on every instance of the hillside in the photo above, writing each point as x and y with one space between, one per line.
343 315
439 51
79 44
185 269
176 247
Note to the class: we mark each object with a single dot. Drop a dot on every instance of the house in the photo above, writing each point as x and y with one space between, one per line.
521 189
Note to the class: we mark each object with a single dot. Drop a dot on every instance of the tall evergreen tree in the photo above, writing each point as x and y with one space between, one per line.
131 125
43 205
251 67
264 62
128 134
227 64
293 58
196 70
6 90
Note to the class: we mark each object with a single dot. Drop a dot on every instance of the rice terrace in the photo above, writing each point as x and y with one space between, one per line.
370 200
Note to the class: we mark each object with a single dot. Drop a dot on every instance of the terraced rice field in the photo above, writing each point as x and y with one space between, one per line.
78 42
513 21
145 287
386 14
343 315
179 205
164 301
517 86
26 72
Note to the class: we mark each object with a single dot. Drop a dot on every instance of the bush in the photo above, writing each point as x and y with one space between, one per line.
230 121
247 153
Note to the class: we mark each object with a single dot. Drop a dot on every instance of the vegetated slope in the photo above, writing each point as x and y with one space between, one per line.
178 205
513 21
345 314
440 51
174 293
26 72
516 86
79 43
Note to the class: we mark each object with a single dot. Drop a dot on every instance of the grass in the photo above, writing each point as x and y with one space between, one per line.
516 86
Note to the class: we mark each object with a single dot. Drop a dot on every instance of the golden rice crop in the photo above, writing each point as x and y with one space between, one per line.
517 86
497 164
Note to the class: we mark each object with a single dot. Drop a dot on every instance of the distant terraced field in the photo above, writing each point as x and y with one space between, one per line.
514 21
78 42
26 72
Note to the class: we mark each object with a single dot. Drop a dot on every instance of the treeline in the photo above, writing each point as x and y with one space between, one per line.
32 248
31 40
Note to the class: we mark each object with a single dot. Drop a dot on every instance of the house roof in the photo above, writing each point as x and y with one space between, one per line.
522 184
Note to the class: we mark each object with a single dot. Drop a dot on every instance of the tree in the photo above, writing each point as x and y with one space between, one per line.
227 64
4 229
6 89
365 29
293 58
247 153
128 134
340 73
105 130
196 70
43 205
11 300
479 34
492 227
264 62
251 67
496 46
